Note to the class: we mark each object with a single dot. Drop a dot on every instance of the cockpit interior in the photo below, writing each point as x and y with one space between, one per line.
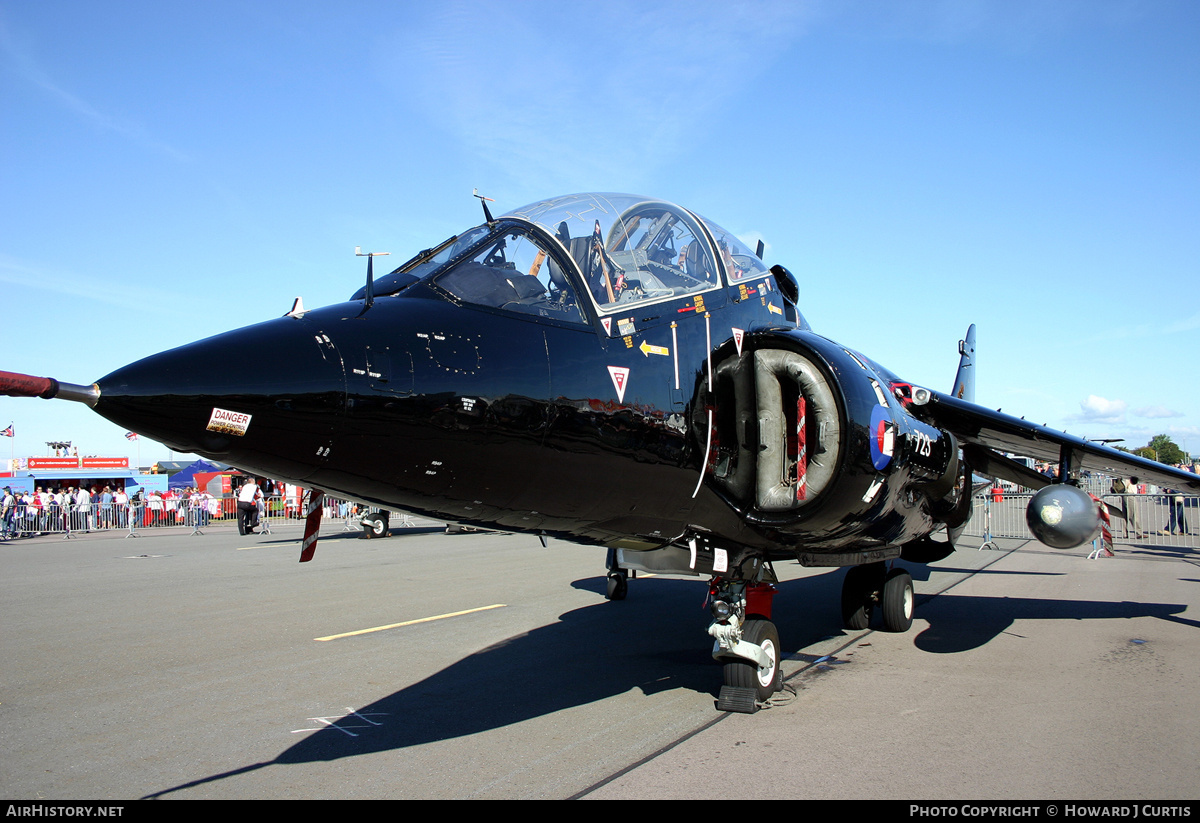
548 258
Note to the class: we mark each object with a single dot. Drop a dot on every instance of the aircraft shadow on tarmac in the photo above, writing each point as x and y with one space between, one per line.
959 623
411 531
650 642
654 641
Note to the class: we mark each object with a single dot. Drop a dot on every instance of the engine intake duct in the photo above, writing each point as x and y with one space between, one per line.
778 430
799 430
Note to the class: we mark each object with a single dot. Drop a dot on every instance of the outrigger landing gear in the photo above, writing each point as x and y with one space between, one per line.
872 585
375 524
618 579
747 643
618 585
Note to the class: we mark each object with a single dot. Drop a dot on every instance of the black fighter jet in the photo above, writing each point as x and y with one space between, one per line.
617 371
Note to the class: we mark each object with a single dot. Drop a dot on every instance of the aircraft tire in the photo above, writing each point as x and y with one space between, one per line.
898 597
618 586
374 525
744 673
858 591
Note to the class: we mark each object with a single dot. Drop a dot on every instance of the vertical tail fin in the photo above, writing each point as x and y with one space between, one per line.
964 380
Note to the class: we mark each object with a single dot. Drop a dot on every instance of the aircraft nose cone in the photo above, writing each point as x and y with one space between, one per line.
266 397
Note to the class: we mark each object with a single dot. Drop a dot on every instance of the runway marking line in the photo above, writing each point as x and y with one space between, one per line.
410 622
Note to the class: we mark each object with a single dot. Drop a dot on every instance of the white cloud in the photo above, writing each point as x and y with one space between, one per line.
1156 412
1096 409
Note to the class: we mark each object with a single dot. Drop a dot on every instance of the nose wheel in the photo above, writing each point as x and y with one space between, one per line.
763 675
746 642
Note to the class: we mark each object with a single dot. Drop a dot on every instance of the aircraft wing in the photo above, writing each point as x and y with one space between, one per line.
986 433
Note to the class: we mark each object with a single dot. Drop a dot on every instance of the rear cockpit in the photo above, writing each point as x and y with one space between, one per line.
632 249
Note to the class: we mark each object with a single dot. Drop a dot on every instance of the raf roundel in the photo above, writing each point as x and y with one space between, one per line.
882 437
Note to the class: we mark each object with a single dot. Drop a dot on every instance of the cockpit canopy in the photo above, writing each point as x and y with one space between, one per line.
620 248
643 234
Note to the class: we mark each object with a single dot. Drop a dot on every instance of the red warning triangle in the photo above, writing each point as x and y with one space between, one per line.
620 378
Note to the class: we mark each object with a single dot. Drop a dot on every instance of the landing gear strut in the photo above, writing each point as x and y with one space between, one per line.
872 586
747 642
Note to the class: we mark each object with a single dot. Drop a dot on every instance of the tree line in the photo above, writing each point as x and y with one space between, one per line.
1161 448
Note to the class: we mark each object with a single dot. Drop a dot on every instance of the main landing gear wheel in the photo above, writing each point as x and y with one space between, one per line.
618 585
897 605
860 590
743 673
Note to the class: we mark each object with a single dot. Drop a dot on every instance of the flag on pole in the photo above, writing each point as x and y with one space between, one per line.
131 436
9 431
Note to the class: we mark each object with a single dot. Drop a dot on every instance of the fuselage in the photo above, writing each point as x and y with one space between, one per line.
588 406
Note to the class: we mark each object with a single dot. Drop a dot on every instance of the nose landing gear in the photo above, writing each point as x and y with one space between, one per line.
761 639
747 643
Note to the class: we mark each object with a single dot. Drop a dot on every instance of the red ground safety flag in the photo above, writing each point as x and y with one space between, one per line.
1106 540
312 525
801 449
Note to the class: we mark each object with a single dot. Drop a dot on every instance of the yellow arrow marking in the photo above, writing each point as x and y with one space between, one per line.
648 350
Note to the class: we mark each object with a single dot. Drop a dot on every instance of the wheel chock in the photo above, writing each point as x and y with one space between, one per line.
737 699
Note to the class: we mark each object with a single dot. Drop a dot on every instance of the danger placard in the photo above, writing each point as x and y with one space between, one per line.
228 422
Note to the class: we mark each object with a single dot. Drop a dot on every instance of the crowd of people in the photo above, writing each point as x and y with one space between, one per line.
71 508
79 508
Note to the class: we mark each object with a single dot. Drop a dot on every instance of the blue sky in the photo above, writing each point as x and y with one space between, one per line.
171 171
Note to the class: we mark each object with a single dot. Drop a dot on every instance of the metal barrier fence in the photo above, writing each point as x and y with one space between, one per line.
26 520
1158 519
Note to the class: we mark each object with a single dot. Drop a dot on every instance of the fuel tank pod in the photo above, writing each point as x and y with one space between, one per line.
1062 516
